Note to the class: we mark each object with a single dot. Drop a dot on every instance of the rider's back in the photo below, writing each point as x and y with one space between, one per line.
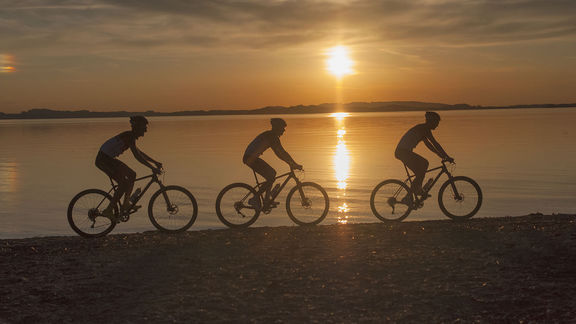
118 144
413 136
260 144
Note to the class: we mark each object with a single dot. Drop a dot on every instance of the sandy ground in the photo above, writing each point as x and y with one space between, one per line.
520 269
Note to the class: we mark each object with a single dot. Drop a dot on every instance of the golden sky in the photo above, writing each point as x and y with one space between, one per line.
229 54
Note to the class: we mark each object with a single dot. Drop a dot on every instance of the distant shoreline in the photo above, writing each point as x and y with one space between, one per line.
392 106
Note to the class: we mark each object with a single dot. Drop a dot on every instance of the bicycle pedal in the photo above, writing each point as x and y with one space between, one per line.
132 210
116 219
254 202
269 205
273 204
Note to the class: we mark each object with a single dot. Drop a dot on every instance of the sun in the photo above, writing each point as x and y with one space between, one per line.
338 62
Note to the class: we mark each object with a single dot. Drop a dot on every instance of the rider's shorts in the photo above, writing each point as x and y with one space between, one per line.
414 161
261 167
114 168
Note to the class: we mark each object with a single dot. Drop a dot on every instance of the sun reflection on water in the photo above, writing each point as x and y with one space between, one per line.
341 167
342 160
340 115
342 211
8 177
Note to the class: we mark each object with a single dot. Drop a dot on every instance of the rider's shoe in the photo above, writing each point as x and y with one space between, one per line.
407 200
254 202
128 210
109 213
271 204
135 208
268 205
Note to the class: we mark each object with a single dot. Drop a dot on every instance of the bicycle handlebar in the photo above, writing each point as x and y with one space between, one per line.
448 160
158 171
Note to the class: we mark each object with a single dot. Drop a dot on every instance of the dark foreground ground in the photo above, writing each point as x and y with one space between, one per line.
520 269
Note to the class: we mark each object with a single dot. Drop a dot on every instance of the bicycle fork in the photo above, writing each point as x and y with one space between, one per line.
306 202
457 195
171 208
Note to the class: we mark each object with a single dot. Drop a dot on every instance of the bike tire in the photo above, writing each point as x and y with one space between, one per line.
469 191
232 202
386 198
179 216
301 210
85 208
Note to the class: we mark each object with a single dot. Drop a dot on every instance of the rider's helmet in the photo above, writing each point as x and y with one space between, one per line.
277 123
432 117
138 121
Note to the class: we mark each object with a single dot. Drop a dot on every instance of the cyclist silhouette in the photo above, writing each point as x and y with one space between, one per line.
107 162
415 162
267 139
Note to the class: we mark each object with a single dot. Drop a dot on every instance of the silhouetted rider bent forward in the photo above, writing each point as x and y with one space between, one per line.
415 162
267 139
107 162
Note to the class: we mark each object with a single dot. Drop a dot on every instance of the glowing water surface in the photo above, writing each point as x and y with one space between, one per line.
522 158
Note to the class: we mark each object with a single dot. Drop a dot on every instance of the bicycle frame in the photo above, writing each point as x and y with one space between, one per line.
153 179
288 175
443 169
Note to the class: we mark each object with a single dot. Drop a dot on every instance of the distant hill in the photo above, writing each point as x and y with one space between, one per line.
41 113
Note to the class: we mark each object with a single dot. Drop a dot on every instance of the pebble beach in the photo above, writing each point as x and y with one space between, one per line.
486 270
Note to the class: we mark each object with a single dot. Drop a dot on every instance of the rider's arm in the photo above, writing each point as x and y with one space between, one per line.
147 157
434 146
282 154
140 156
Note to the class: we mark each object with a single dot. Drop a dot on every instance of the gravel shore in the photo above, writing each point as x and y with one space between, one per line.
513 269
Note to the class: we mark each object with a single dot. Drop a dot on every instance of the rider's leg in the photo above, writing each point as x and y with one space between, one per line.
268 172
109 166
127 184
417 164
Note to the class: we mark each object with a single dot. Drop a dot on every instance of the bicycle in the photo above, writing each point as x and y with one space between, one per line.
176 212
459 197
306 204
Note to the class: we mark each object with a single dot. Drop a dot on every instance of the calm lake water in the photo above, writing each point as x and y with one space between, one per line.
523 159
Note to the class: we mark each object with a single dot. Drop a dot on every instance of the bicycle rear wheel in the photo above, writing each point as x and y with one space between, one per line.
309 207
234 208
460 198
391 201
172 209
85 213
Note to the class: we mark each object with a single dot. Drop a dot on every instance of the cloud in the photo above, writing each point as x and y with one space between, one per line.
127 25
453 21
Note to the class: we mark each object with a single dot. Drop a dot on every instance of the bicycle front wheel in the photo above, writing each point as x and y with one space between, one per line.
238 205
460 198
391 201
172 209
85 213
307 204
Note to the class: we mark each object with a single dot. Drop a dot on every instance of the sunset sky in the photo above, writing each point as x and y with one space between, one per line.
229 54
